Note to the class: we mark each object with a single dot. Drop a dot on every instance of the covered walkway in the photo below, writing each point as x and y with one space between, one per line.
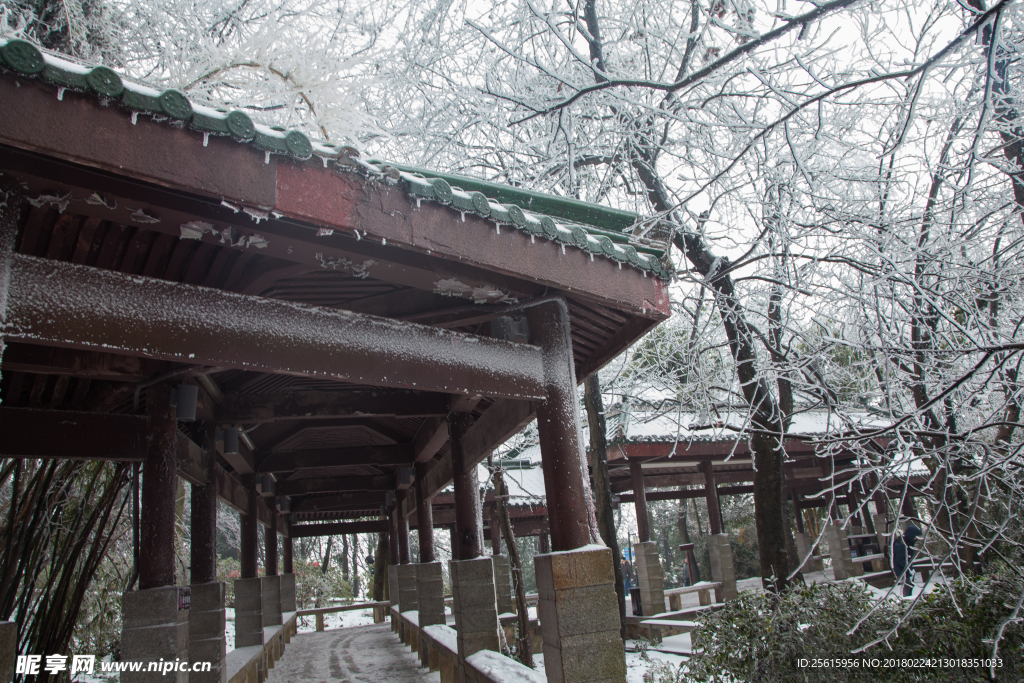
354 654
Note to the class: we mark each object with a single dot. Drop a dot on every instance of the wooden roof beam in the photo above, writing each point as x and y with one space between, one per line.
312 405
290 461
63 304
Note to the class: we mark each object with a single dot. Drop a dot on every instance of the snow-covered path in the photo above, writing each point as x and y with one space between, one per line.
358 654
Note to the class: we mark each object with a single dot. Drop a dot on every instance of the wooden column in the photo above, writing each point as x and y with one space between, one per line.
797 512
643 520
286 555
393 535
453 533
270 544
403 535
558 425
424 515
248 538
159 492
495 532
204 513
468 521
10 214
545 544
711 494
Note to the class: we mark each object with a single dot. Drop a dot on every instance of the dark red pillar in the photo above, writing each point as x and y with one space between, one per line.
545 544
393 535
797 513
558 424
453 534
711 495
204 512
468 521
643 521
495 532
159 491
286 555
270 544
403 535
248 537
424 515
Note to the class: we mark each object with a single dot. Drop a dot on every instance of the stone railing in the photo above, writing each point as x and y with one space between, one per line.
485 666
252 664
379 610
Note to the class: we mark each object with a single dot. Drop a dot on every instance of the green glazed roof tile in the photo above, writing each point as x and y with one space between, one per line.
595 229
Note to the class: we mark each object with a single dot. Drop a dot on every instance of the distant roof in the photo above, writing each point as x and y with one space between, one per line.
627 426
593 228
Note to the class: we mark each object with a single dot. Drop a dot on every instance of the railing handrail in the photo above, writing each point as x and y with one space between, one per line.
341 608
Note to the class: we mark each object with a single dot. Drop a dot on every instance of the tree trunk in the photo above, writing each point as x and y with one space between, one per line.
327 556
525 644
355 566
344 557
602 486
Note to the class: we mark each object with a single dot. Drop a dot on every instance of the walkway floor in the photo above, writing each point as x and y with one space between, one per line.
358 654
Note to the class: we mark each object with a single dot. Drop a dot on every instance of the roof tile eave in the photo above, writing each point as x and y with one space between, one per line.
26 59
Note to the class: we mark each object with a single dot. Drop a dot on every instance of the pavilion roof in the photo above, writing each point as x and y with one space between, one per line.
595 229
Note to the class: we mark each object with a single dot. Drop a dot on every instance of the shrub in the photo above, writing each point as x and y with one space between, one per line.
762 637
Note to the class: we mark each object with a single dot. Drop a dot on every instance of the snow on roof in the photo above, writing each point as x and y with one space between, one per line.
625 426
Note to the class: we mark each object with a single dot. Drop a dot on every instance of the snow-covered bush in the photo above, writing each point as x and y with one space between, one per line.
765 637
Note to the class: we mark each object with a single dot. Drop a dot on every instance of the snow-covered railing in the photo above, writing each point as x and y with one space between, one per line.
319 612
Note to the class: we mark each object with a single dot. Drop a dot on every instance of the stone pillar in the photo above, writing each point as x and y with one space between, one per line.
206 623
803 549
722 569
502 585
429 599
650 578
406 587
287 593
474 608
393 592
839 549
155 618
154 629
8 649
248 612
579 611
270 588
206 620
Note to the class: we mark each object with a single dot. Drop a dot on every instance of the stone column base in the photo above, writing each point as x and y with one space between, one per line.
153 629
502 585
429 600
287 593
271 597
8 649
579 616
406 587
650 578
476 613
839 549
393 584
206 641
248 612
722 569
803 550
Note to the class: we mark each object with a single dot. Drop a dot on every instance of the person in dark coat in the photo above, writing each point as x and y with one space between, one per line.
903 552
